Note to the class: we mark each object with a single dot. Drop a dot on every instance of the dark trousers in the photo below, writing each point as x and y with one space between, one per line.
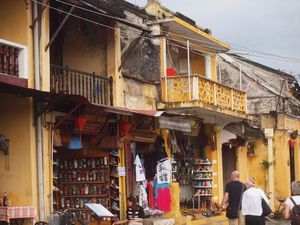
255 220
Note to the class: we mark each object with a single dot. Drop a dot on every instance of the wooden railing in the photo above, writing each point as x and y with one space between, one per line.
97 89
9 61
208 92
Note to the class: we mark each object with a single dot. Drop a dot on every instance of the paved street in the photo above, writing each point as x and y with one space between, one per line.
275 222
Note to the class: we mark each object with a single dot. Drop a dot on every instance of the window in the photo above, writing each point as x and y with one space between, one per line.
13 59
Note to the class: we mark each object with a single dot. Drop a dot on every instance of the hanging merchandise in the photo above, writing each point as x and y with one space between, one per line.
143 197
139 170
164 171
162 196
160 148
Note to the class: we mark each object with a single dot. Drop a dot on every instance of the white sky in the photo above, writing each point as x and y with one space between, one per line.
271 26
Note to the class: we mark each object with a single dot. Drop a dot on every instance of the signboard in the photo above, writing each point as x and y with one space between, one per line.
175 123
121 171
99 210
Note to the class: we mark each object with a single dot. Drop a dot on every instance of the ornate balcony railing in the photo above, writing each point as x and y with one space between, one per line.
180 89
97 89
9 61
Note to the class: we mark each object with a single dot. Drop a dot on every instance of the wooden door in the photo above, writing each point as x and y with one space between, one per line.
229 162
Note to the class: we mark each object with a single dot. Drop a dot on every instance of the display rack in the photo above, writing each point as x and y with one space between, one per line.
114 161
80 178
203 183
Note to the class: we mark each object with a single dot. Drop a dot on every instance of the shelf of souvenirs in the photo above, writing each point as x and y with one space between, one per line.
83 182
203 178
82 164
86 196
203 162
199 187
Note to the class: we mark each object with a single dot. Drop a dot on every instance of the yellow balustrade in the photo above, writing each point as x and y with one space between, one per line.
178 89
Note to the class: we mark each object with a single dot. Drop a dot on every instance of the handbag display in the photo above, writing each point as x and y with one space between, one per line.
111 142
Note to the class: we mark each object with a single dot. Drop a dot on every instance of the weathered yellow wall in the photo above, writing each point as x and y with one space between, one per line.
254 166
138 95
20 179
85 47
15 20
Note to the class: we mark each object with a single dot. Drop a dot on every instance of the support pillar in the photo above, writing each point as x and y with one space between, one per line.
269 134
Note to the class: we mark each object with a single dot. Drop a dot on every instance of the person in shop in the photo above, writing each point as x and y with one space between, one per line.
233 197
135 213
252 204
291 202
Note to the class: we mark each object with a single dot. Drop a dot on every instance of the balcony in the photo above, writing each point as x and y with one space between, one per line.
97 89
180 92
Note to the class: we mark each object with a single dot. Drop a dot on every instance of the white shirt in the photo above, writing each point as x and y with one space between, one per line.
290 204
251 202
164 171
139 170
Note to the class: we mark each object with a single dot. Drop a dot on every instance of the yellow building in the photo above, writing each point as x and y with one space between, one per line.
270 158
66 49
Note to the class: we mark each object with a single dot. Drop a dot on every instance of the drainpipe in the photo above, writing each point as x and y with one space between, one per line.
269 134
39 141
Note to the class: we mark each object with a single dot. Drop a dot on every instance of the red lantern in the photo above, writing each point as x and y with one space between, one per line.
80 122
125 127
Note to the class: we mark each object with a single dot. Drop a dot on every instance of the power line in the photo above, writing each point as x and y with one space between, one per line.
136 35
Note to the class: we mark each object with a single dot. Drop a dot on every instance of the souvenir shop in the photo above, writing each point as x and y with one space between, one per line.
148 167
192 164
85 162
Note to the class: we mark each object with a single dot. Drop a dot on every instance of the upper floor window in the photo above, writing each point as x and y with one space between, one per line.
13 59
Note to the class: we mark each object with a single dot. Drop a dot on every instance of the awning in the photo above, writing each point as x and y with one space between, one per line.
181 31
244 130
63 99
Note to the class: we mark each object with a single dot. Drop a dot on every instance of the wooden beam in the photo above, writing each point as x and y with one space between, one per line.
59 27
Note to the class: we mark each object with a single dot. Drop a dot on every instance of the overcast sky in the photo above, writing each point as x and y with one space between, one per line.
270 26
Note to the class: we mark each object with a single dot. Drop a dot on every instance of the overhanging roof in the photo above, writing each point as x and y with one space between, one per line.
49 97
182 31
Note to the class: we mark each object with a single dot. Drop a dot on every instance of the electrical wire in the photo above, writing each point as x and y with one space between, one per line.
136 35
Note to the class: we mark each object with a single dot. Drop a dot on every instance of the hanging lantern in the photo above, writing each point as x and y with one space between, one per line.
125 127
80 122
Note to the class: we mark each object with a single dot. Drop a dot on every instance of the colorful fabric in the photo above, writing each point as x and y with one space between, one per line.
151 195
164 199
18 212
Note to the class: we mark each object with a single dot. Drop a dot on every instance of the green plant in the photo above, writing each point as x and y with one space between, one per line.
266 164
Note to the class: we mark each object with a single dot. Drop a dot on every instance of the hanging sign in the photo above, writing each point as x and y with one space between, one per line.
175 123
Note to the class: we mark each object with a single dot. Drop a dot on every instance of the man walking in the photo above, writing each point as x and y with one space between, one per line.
233 197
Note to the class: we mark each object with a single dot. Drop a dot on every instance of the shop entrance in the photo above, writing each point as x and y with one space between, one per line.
229 161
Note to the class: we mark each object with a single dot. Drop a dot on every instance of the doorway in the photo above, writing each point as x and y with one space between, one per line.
229 161
292 164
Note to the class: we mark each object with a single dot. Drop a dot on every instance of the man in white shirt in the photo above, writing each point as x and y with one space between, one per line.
251 204
289 204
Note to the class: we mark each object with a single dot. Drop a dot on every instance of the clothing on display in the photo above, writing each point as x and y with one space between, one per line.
143 197
139 170
160 149
164 171
162 196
